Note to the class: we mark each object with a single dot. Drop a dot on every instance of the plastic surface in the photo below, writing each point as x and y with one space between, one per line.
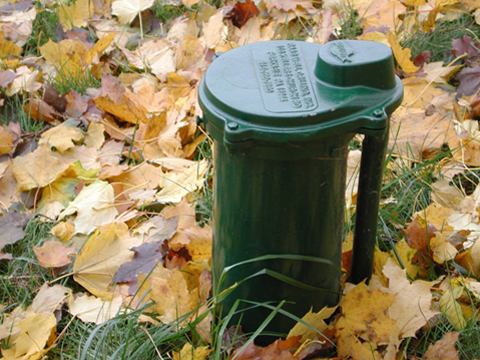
281 114
295 91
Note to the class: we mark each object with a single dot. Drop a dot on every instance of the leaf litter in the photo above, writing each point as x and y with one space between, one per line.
113 168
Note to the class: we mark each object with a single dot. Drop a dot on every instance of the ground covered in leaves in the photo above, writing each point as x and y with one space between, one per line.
105 180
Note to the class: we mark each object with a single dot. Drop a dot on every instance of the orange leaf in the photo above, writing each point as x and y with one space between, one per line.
279 350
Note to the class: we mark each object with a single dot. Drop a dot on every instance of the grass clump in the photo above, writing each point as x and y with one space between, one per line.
13 110
20 279
80 82
43 29
438 40
166 12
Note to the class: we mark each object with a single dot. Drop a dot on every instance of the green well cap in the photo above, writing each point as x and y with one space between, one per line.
283 91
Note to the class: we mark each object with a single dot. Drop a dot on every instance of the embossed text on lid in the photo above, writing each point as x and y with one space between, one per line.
284 80
342 51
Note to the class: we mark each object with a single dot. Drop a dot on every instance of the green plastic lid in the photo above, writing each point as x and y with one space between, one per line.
283 91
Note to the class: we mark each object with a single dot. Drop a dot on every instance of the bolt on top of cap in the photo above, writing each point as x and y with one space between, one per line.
348 63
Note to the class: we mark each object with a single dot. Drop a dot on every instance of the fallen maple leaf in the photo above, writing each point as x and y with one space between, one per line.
101 257
11 228
144 260
466 45
414 135
171 295
53 254
127 10
94 207
37 169
315 320
469 79
364 324
418 237
443 251
411 308
50 299
175 185
63 136
242 11
6 141
75 15
188 352
215 31
402 55
279 350
443 349
450 307
119 104
8 186
95 310
35 331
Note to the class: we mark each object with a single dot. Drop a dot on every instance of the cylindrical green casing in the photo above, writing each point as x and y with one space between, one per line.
281 114
276 206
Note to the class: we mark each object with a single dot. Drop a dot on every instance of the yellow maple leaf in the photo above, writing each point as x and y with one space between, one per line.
411 308
63 136
189 353
402 55
442 249
449 305
95 310
8 47
94 207
77 14
63 230
99 47
406 254
172 297
37 169
50 299
35 332
6 141
315 320
200 242
55 53
175 185
127 110
101 256
8 185
364 323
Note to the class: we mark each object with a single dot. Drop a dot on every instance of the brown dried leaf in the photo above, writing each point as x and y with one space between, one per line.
242 11
76 104
418 237
469 79
40 110
443 349
11 228
53 254
144 260
52 97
